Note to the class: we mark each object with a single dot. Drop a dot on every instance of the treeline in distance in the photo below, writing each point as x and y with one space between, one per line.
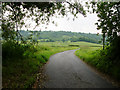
52 36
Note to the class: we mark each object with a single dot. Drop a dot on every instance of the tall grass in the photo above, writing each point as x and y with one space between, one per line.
100 59
21 63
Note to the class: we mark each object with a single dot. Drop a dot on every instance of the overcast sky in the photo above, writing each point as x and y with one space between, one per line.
80 24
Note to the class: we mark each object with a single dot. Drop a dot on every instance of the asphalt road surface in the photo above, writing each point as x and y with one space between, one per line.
65 70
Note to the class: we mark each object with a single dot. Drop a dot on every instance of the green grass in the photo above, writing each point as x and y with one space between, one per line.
81 44
100 59
88 54
21 72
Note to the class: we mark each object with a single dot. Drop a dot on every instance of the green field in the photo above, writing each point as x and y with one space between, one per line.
100 59
87 53
22 72
80 44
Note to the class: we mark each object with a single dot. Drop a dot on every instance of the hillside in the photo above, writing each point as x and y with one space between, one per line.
51 36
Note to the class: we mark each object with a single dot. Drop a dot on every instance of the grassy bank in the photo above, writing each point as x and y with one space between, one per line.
88 54
20 66
100 59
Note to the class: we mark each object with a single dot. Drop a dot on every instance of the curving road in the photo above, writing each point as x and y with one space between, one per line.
65 70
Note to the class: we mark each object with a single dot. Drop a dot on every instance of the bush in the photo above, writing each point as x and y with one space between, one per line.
11 49
107 60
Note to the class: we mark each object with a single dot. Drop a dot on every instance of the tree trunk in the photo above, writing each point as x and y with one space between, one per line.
103 41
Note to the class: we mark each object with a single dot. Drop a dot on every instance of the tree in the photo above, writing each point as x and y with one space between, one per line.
41 11
109 23
109 20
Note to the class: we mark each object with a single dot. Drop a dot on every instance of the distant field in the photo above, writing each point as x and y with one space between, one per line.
86 50
78 44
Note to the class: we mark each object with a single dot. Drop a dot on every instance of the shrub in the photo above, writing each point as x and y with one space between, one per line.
11 49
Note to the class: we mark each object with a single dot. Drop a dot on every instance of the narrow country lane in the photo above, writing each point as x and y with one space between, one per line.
65 70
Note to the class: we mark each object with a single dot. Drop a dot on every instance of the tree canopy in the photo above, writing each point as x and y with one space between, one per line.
40 12
52 36
109 19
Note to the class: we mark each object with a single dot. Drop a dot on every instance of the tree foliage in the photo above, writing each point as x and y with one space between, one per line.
109 23
109 19
50 36
14 14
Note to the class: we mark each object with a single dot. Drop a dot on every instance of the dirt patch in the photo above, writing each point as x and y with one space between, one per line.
41 78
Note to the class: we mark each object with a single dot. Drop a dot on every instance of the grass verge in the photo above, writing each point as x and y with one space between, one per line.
98 58
22 72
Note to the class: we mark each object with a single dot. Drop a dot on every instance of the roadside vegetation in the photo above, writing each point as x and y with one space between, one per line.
22 57
21 63
107 59
103 60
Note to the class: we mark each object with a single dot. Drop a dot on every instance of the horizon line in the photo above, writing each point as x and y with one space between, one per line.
63 31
